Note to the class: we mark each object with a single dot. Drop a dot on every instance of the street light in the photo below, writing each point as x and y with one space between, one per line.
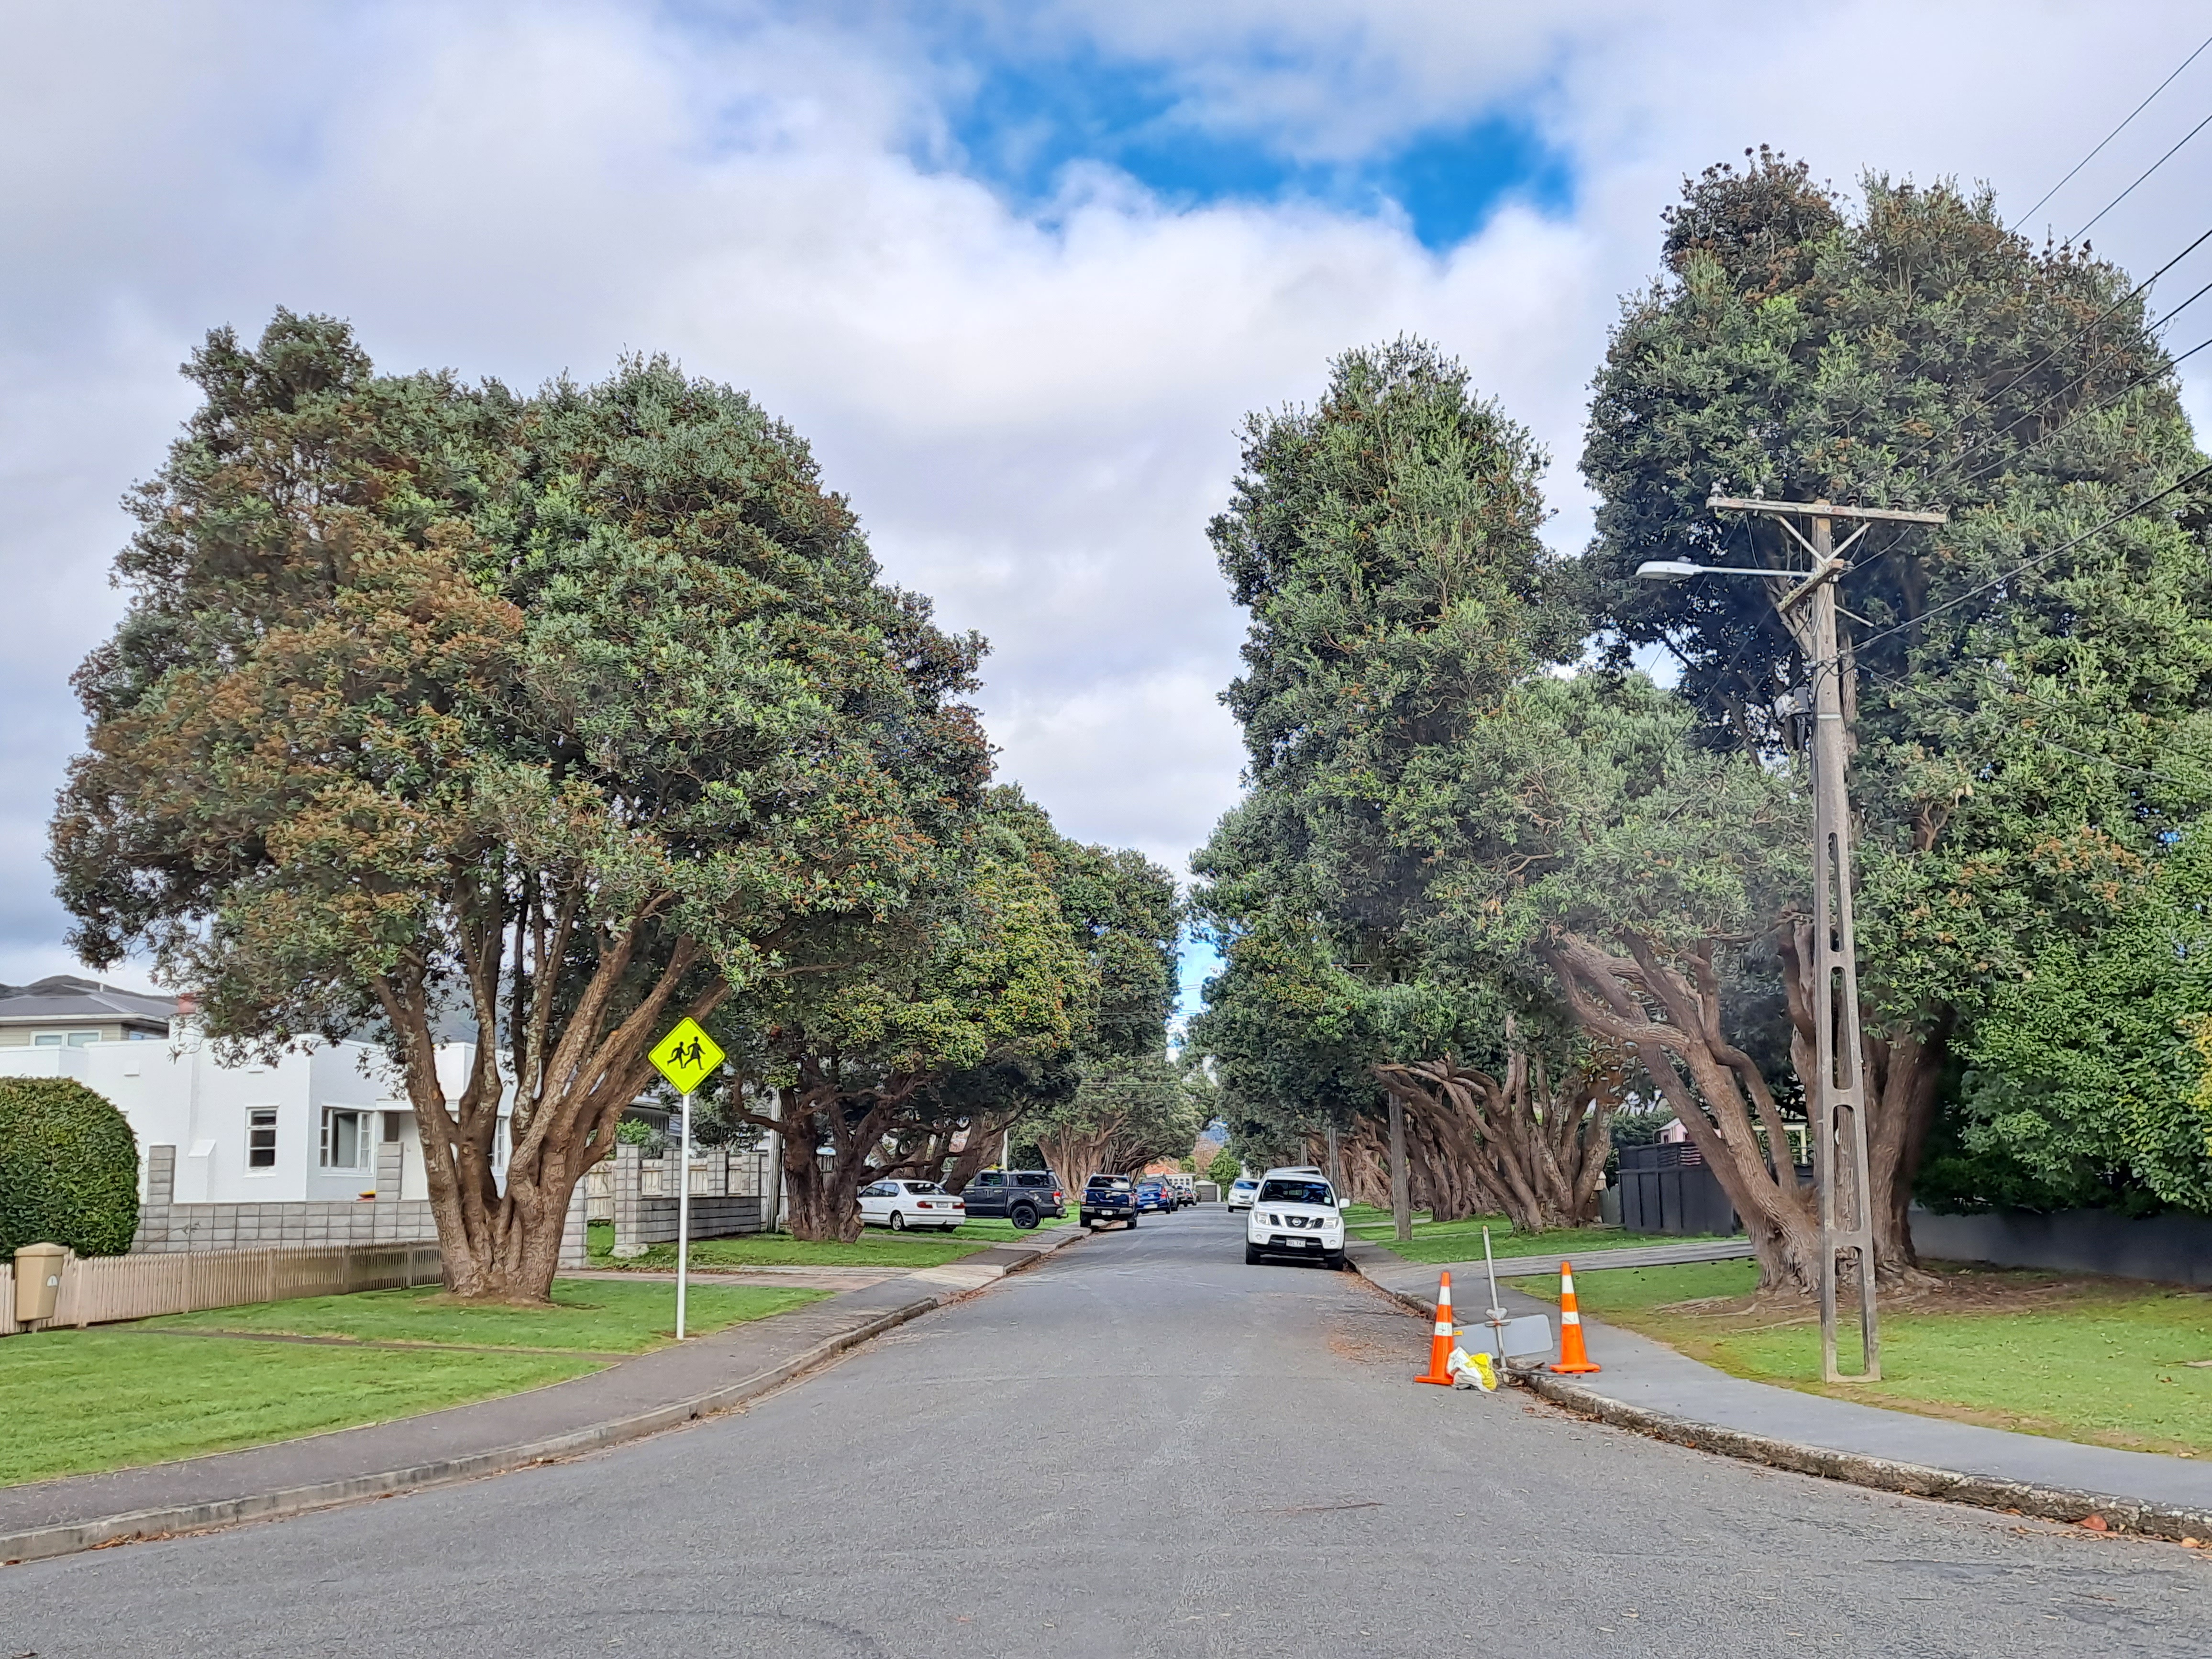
1677 570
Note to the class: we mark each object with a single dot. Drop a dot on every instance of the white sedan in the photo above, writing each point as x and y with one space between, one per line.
1241 1194
900 1204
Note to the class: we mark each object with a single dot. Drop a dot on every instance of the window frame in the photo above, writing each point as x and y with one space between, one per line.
363 1140
259 1119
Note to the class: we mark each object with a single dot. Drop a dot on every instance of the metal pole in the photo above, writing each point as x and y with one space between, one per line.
684 1220
1839 1120
1497 1314
1401 1197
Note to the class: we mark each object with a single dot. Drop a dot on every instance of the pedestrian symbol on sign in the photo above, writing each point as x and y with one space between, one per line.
687 1056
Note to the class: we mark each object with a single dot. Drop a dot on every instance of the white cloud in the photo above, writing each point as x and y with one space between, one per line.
1035 420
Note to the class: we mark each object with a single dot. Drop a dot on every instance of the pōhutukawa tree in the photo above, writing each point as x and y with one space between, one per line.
1122 914
1385 544
2028 685
1584 831
553 718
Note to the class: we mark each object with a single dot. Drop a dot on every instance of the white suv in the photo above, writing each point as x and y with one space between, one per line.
1295 1212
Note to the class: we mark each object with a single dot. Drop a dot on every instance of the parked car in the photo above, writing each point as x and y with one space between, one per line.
1241 1193
899 1204
1295 1212
1023 1197
1185 1189
1109 1198
1152 1194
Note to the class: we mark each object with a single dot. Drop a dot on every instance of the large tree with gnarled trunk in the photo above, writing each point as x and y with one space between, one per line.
554 717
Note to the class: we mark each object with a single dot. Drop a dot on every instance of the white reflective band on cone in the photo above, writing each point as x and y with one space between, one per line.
1570 1317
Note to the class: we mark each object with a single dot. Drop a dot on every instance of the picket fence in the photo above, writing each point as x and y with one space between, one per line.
100 1290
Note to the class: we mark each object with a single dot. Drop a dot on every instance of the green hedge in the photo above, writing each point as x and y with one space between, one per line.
68 1167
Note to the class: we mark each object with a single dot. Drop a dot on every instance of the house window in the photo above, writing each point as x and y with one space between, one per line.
346 1138
261 1137
57 1039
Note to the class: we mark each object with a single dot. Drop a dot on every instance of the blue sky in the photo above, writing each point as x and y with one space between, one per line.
1022 124
1017 271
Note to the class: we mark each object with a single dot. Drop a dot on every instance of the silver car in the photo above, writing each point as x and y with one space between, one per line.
1241 1194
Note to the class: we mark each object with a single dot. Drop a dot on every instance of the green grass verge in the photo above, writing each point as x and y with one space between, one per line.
2101 1361
78 1401
593 1316
108 1398
1462 1241
877 1246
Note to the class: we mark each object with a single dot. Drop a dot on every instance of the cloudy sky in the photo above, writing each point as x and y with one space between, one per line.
1017 271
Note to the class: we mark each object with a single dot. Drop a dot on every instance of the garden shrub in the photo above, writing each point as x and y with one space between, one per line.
68 1167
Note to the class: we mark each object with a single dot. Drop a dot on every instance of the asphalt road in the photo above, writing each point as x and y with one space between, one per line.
1142 1447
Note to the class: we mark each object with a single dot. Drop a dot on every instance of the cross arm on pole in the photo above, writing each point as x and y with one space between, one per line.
1824 510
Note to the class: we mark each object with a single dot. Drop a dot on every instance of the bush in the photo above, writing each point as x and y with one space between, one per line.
68 1167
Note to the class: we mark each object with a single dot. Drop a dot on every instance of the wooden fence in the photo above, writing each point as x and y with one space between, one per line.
100 1290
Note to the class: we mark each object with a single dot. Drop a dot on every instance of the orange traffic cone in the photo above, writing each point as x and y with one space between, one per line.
1440 1344
1574 1358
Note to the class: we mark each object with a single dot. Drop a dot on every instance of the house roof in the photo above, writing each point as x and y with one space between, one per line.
63 997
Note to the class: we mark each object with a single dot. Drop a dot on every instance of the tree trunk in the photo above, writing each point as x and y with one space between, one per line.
499 1245
1902 1072
1666 1013
1513 1145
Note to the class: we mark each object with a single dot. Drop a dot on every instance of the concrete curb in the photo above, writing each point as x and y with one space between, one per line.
41 1543
2119 1515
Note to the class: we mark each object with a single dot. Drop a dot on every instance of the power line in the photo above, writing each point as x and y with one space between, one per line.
2083 414
2146 173
1983 400
2116 132
2120 517
1897 684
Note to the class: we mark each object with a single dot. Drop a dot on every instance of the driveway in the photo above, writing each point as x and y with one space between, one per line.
1141 1447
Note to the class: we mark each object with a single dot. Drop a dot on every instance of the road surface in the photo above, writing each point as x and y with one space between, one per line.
1142 1447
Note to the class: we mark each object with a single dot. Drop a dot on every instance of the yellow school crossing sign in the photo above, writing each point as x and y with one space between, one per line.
687 1056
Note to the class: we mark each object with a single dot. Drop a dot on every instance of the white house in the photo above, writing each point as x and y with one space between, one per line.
319 1146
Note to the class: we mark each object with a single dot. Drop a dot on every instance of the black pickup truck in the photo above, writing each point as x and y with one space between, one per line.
1021 1196
1109 1198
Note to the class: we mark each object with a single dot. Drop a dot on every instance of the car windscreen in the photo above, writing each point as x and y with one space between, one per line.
1117 1183
923 1187
1295 1192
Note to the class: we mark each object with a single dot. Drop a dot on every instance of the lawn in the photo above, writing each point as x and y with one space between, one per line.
2104 1361
1462 1241
111 1398
589 1316
877 1246
162 1389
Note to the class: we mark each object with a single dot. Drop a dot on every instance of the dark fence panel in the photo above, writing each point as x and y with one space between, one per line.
2174 1249
1667 1187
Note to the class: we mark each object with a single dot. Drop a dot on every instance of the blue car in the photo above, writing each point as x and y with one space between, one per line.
1153 1195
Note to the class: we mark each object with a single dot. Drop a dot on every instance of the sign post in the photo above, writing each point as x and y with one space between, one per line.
687 1057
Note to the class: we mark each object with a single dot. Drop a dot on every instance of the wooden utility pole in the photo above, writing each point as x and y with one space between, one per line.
1401 1194
1838 1105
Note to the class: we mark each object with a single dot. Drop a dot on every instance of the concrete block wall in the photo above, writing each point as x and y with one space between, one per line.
711 1217
166 1227
642 1221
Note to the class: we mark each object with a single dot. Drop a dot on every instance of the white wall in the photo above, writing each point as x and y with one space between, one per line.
176 1094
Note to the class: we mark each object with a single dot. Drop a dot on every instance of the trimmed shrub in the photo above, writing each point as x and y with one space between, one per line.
68 1167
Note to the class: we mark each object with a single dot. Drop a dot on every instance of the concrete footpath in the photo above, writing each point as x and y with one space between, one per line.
625 1401
1648 1387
